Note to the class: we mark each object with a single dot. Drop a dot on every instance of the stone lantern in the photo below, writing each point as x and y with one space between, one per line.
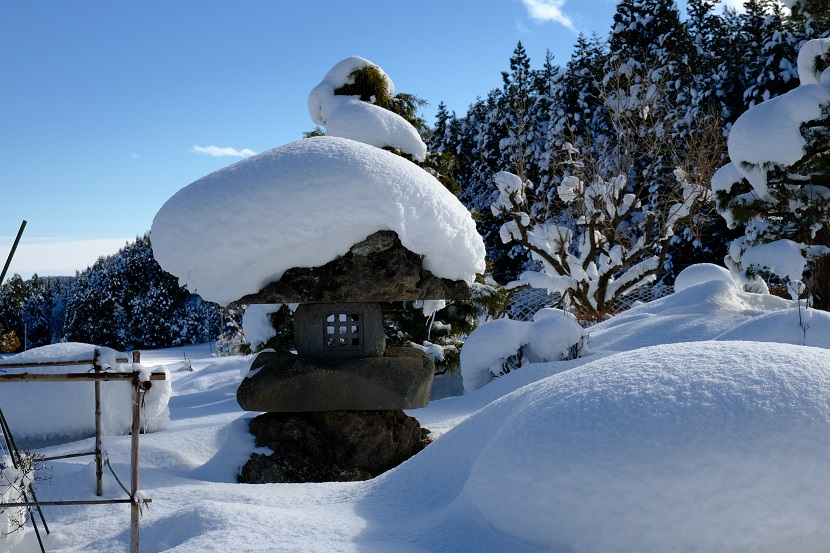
342 362
336 224
344 390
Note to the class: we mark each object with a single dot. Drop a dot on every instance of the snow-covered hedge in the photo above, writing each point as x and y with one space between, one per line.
12 519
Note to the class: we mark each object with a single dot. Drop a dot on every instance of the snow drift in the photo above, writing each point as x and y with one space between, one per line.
61 411
705 447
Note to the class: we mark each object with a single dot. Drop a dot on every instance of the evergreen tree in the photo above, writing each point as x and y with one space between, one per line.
36 313
126 301
13 294
775 198
774 72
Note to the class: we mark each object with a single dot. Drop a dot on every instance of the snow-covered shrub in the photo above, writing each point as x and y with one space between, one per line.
13 484
357 100
231 339
269 326
500 346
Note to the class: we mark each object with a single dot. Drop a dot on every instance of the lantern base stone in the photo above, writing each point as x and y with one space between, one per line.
331 446
281 382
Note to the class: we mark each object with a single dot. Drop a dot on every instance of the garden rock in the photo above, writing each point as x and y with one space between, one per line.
331 446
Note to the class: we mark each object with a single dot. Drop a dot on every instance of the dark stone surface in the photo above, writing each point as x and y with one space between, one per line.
333 446
364 323
283 382
376 270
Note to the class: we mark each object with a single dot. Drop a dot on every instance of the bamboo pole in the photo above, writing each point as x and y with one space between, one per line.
11 253
70 502
53 364
135 508
72 377
138 385
14 453
99 459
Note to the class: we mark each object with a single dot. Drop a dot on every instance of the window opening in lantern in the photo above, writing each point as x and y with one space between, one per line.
344 331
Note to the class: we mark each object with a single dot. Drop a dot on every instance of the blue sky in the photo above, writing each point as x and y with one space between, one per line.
108 108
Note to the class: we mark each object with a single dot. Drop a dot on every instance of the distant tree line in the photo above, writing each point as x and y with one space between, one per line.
124 301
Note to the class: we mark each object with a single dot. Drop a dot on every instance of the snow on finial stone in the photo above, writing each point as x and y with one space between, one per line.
349 117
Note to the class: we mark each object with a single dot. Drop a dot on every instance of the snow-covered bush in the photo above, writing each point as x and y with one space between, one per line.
269 326
500 346
355 100
778 183
13 483
611 244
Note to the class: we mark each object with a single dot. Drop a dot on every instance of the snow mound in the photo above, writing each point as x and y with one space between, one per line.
304 204
799 326
704 447
67 351
702 272
698 313
350 117
549 337
61 411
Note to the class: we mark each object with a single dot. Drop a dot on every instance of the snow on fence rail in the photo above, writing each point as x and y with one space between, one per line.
141 382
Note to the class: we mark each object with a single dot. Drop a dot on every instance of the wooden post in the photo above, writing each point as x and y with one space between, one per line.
99 461
136 357
135 507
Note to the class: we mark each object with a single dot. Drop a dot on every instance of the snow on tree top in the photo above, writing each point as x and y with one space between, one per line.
350 117
812 49
304 204
771 131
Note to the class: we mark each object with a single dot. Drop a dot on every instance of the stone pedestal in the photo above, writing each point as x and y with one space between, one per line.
333 446
281 382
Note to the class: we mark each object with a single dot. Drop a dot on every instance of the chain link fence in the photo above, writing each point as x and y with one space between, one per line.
527 301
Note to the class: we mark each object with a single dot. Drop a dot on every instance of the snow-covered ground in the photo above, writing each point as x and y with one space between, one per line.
670 436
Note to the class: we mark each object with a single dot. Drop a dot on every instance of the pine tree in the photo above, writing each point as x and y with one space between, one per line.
775 71
13 294
774 198
36 313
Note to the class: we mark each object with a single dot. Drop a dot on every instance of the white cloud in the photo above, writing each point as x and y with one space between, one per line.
57 257
135 155
216 151
548 10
